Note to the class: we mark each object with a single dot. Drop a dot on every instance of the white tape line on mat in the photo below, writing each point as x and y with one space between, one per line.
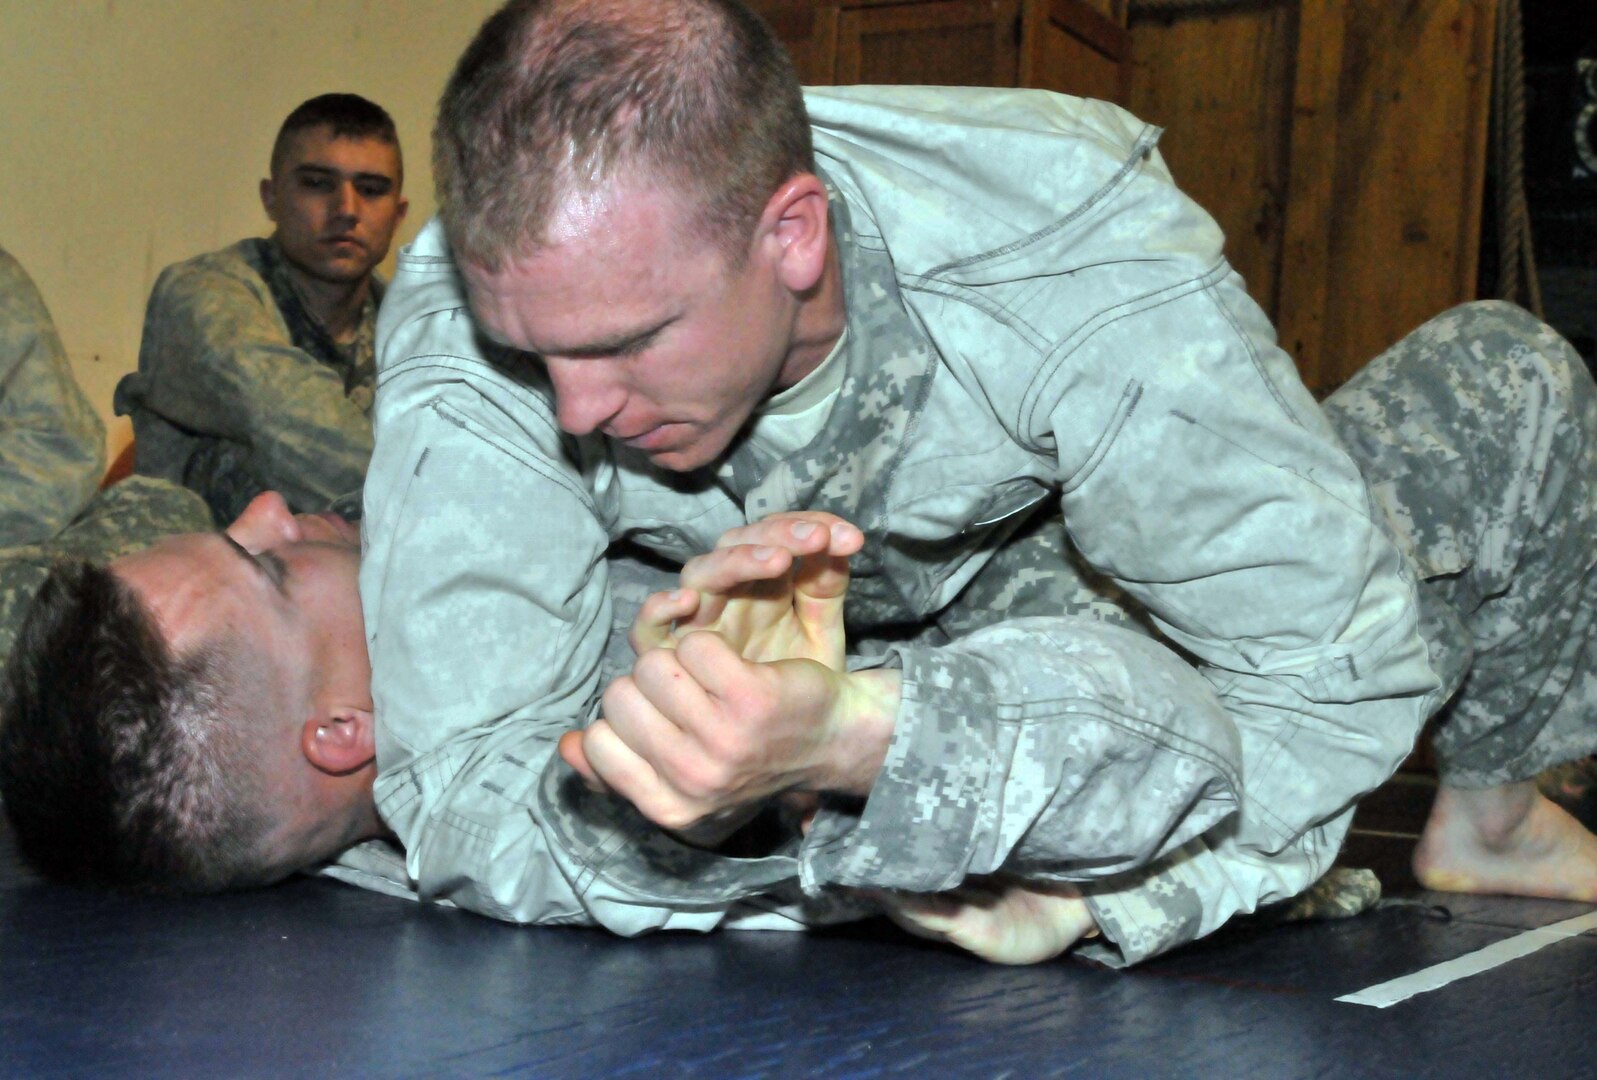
1437 976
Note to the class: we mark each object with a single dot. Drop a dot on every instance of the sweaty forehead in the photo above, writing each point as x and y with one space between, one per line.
615 268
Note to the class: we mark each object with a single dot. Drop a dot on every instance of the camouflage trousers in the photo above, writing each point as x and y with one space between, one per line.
119 520
1478 436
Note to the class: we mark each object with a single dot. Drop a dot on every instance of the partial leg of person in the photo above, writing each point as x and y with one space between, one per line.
118 521
1478 434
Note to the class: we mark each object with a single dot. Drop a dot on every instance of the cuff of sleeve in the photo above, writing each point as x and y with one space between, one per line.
608 840
914 832
1197 888
1149 911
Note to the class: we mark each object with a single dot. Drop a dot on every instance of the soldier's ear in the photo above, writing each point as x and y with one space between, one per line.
269 199
795 221
340 741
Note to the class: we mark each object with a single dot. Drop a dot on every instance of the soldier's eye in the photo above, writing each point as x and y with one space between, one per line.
275 569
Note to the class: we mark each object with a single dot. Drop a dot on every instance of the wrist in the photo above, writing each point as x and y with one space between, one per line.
863 717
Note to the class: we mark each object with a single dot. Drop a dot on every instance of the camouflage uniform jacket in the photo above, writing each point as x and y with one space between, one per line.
52 444
1041 327
239 390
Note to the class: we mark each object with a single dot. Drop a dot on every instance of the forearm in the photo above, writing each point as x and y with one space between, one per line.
869 705
319 451
479 619
514 838
299 436
1114 775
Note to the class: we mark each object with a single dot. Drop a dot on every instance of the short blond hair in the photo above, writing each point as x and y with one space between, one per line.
558 97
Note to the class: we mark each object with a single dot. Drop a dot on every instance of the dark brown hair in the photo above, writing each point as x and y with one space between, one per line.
120 763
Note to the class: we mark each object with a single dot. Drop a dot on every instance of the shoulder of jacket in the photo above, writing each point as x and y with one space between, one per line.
212 269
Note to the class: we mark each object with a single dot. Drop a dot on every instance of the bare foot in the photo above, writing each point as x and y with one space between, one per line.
998 920
1508 839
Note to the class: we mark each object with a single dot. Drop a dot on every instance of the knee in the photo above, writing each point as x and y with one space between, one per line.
1501 361
1503 338
1489 314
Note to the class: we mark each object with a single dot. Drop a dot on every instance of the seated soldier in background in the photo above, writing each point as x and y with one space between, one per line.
237 663
52 455
256 369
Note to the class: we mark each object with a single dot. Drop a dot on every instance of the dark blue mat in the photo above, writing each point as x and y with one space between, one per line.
315 978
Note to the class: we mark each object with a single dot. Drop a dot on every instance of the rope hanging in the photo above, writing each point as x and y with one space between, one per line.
1516 262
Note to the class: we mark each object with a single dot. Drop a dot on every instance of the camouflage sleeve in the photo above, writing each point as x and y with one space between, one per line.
217 360
487 598
52 443
1015 749
484 590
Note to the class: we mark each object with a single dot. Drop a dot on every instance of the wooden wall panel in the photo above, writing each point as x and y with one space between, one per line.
1113 10
1220 86
948 43
1414 94
1311 212
1073 48
1341 145
809 31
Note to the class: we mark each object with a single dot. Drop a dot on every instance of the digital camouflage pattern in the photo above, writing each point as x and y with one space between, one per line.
1478 434
1086 474
126 517
1011 795
1342 893
239 389
52 454
52 444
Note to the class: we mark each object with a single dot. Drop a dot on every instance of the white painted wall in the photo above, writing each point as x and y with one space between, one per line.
133 134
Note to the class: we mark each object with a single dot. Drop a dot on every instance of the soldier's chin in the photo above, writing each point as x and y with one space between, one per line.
686 458
339 272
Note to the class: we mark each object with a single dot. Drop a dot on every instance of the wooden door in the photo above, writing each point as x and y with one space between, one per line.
943 43
1404 209
809 30
1221 87
1072 47
1341 145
